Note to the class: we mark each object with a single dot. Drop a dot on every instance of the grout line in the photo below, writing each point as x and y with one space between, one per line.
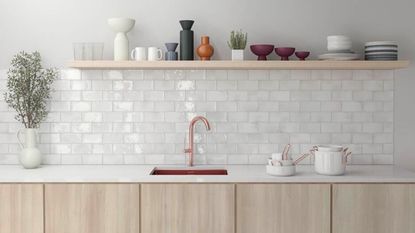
139 208
235 208
44 208
394 117
331 208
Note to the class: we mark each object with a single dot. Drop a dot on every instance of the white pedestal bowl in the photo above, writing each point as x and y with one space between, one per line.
121 26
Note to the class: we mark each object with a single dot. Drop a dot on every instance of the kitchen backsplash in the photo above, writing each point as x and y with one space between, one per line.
142 117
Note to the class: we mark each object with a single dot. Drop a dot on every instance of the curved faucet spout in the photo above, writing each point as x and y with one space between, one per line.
203 119
192 124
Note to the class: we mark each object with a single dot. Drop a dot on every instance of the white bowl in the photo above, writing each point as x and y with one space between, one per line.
281 170
338 38
339 43
121 24
339 47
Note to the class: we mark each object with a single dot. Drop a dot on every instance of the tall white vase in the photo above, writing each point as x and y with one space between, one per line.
121 45
121 48
30 155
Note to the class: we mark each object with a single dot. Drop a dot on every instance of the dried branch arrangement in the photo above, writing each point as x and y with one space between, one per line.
28 88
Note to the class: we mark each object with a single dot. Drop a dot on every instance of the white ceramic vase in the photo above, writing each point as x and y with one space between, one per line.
121 26
30 156
237 54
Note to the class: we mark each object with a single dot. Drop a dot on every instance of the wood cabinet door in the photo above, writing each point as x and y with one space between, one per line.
374 208
21 208
187 208
283 208
92 208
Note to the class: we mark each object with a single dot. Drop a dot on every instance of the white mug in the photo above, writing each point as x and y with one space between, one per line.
155 54
139 54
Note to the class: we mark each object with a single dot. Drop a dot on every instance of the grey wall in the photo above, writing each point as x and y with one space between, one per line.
51 26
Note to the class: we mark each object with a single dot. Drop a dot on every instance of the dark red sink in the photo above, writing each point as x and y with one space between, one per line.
188 171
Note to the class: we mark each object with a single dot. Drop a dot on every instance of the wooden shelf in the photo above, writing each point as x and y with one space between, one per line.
241 65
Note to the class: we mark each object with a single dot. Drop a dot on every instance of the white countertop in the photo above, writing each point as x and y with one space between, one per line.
236 174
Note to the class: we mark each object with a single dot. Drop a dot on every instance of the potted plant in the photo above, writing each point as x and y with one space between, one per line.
237 43
28 89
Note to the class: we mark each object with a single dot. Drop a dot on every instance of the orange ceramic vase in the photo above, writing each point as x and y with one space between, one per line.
205 50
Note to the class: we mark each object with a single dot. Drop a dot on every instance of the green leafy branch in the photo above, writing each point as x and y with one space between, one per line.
29 87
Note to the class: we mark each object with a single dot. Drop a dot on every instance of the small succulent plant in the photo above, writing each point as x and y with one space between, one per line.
29 87
238 40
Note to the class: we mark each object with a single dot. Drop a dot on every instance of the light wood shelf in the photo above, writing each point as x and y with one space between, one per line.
241 65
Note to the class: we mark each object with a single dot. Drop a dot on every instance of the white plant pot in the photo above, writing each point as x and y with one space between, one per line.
30 156
237 54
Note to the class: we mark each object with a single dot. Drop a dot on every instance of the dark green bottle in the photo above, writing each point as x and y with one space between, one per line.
186 40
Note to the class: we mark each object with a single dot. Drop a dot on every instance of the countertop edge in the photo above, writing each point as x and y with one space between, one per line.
238 174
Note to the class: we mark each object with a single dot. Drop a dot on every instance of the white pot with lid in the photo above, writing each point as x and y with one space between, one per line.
330 159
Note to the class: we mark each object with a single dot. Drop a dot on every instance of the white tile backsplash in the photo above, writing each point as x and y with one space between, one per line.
141 117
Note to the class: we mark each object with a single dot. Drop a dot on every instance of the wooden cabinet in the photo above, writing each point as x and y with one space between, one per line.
207 208
21 208
92 208
374 208
283 208
187 208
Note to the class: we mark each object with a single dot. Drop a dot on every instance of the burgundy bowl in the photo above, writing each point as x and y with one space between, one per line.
262 50
284 52
302 55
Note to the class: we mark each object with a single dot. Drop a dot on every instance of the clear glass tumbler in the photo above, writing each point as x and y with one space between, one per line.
88 51
78 51
98 51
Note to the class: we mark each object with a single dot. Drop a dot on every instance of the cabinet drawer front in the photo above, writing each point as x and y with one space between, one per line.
374 208
92 208
282 208
21 208
187 208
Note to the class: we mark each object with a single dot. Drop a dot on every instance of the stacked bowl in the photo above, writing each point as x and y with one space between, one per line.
340 48
339 44
381 51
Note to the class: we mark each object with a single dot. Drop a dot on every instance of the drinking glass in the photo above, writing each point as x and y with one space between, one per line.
88 51
98 51
78 51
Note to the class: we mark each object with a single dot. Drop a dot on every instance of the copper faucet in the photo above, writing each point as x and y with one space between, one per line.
191 136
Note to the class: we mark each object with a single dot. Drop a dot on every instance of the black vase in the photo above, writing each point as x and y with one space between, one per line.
186 40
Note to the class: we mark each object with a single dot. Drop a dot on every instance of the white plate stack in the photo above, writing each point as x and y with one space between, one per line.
340 48
381 51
